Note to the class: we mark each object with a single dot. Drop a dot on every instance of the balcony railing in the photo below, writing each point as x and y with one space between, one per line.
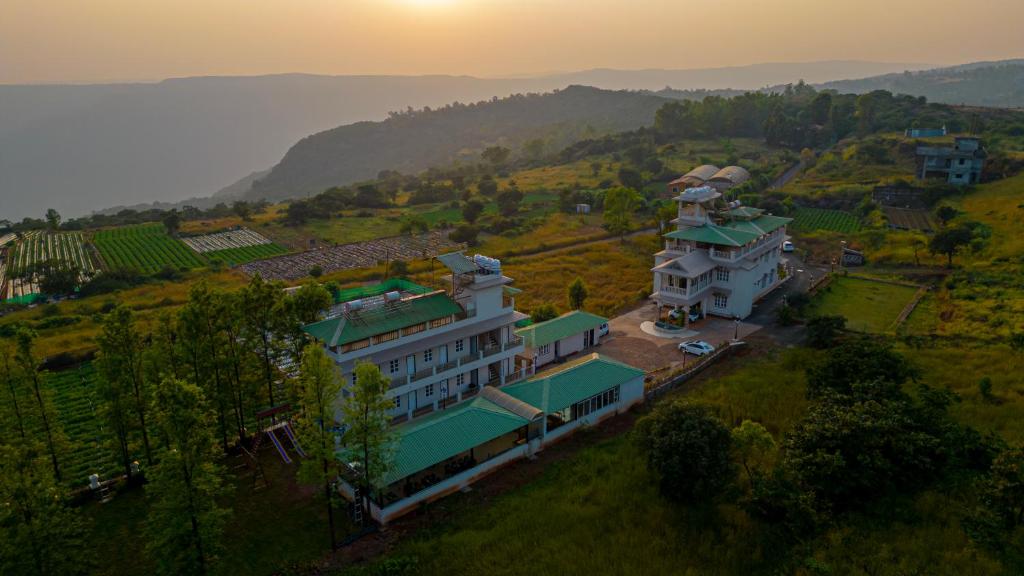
492 350
513 342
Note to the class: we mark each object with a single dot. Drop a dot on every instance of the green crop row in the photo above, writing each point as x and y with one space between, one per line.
146 247
808 219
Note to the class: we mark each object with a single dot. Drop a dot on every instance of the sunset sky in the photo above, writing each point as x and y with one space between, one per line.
105 40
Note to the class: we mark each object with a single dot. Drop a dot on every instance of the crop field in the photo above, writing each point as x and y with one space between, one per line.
808 219
90 451
868 306
240 238
146 247
238 256
65 248
909 219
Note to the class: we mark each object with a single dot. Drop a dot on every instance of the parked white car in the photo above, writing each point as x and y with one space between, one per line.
697 347
788 246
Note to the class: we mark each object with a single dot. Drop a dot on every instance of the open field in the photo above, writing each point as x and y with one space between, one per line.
145 247
809 219
868 306
909 219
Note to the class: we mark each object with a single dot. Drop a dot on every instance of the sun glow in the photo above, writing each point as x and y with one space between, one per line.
429 3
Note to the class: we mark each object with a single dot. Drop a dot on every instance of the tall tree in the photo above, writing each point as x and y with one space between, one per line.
619 205
123 354
317 389
949 241
52 219
261 303
496 155
172 221
29 365
299 308
241 384
368 438
185 523
116 408
13 388
577 293
205 345
39 534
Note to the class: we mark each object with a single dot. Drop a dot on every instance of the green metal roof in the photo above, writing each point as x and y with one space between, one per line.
511 291
447 433
761 225
557 328
389 285
712 234
573 384
458 263
735 234
383 318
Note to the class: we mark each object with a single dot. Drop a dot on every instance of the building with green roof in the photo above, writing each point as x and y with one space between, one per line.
554 339
449 449
721 258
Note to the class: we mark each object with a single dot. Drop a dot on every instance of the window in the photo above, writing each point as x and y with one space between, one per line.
428 355
541 351
721 301
429 390
594 403
722 275
460 379
459 345
398 401
393 366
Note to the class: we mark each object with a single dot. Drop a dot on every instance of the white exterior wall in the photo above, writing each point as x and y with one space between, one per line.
566 347
630 394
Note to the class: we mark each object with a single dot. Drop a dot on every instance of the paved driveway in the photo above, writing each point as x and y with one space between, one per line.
626 342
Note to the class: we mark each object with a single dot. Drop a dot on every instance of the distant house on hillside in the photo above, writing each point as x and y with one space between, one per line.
961 164
720 179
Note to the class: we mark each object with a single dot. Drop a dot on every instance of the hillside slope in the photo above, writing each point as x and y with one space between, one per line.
999 84
413 142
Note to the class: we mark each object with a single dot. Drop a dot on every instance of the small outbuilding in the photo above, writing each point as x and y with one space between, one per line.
555 339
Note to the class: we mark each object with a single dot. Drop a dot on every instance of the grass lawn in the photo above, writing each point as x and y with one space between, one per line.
867 305
599 512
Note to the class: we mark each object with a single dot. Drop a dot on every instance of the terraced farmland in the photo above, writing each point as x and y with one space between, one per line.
810 219
909 219
64 248
234 247
146 247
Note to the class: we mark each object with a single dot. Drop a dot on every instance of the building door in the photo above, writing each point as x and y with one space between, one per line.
558 349
442 353
410 364
474 344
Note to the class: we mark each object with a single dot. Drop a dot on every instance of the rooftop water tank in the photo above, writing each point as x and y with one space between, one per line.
393 296
353 306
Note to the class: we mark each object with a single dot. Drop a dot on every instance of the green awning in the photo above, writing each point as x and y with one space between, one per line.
762 225
573 384
562 327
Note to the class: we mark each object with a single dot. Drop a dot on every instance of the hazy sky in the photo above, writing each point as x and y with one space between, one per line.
102 40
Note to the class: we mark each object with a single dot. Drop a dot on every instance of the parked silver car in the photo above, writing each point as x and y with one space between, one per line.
697 347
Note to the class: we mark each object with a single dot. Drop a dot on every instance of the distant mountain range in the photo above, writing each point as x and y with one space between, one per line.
996 84
85 148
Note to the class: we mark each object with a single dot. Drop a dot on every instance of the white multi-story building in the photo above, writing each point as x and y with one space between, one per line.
437 346
721 258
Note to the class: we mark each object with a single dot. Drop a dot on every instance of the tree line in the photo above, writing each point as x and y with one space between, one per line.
178 396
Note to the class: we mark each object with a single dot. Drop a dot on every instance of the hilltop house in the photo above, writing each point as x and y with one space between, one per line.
709 175
554 339
961 164
721 258
437 346
446 451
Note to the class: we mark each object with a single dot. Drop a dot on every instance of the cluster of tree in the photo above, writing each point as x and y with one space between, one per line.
953 237
128 216
863 438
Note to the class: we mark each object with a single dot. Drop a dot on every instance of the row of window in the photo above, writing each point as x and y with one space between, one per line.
594 403
428 390
428 356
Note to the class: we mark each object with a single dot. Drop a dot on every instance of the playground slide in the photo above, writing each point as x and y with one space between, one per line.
295 441
280 448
